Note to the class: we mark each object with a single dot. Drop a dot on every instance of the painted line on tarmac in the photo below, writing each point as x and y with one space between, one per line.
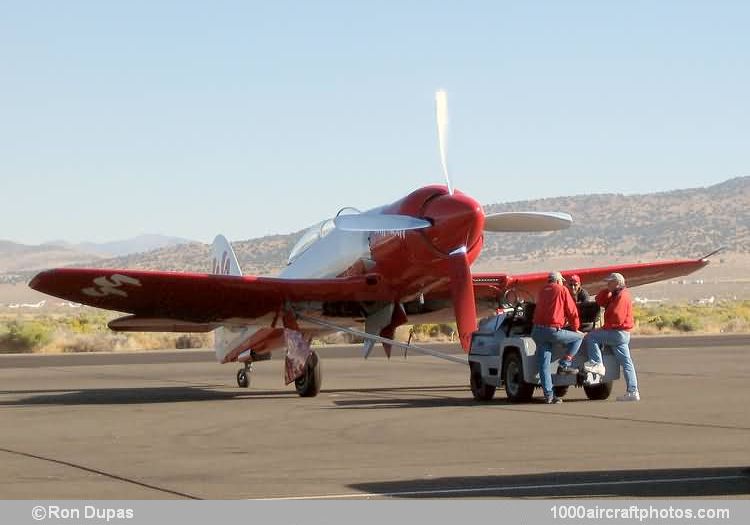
630 419
97 471
686 374
503 488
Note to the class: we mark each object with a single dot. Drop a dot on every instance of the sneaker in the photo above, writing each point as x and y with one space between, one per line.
552 400
592 379
566 367
630 396
594 368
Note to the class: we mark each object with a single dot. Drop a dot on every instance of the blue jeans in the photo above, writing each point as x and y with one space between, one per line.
545 339
618 341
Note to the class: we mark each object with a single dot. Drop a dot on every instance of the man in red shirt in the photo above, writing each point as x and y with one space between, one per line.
618 321
580 295
555 309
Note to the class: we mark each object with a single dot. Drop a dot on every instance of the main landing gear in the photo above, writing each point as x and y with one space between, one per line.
308 384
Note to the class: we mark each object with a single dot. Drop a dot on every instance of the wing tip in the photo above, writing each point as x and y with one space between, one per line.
37 282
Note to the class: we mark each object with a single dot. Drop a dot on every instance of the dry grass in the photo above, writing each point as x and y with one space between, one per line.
724 317
84 332
87 331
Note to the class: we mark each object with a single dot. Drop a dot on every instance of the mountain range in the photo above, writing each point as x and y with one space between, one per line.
671 224
16 257
139 244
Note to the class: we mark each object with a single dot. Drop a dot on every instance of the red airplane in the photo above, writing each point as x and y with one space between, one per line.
406 261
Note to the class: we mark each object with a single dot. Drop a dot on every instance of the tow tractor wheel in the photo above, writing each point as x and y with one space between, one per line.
560 391
598 392
308 384
517 390
481 390
243 378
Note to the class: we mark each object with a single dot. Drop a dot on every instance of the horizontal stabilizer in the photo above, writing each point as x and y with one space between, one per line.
527 221
134 323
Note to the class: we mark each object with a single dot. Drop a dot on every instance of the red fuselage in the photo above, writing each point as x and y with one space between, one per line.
416 261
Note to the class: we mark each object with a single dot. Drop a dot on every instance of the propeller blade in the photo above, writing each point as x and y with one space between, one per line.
527 221
462 295
441 114
379 223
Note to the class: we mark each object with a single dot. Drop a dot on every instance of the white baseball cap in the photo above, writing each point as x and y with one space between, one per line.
616 277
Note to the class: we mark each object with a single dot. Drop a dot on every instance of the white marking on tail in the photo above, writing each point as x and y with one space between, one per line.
224 260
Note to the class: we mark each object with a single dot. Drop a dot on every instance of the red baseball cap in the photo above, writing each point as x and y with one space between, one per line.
574 279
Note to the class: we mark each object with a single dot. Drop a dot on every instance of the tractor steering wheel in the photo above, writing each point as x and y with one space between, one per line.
516 297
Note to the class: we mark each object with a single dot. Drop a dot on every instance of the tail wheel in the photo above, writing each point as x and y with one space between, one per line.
517 390
481 390
243 378
308 384
598 392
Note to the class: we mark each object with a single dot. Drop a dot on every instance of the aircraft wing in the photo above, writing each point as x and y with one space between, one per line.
489 285
199 298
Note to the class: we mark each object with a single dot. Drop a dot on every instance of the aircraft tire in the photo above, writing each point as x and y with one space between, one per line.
308 385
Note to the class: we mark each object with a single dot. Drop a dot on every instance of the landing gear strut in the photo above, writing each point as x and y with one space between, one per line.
308 384
243 375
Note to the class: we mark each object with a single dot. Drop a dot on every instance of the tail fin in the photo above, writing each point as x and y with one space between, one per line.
224 260
227 339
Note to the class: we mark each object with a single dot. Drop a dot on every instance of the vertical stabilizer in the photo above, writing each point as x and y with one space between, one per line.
224 260
228 339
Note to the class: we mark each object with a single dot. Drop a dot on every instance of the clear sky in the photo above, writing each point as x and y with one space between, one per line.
248 118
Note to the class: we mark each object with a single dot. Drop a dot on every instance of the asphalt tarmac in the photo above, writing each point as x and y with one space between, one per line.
175 425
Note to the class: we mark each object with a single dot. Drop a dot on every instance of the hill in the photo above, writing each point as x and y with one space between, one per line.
15 257
139 244
680 223
262 256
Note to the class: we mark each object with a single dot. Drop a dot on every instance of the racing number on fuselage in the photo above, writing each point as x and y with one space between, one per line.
110 286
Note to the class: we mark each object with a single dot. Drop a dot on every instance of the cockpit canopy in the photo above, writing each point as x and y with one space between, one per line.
315 233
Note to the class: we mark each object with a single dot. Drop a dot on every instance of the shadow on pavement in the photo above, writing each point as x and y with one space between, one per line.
174 394
660 483
140 395
437 402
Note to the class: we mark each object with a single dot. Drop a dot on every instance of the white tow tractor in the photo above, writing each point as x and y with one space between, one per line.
502 354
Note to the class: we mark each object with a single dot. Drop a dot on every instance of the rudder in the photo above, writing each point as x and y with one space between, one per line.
224 260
